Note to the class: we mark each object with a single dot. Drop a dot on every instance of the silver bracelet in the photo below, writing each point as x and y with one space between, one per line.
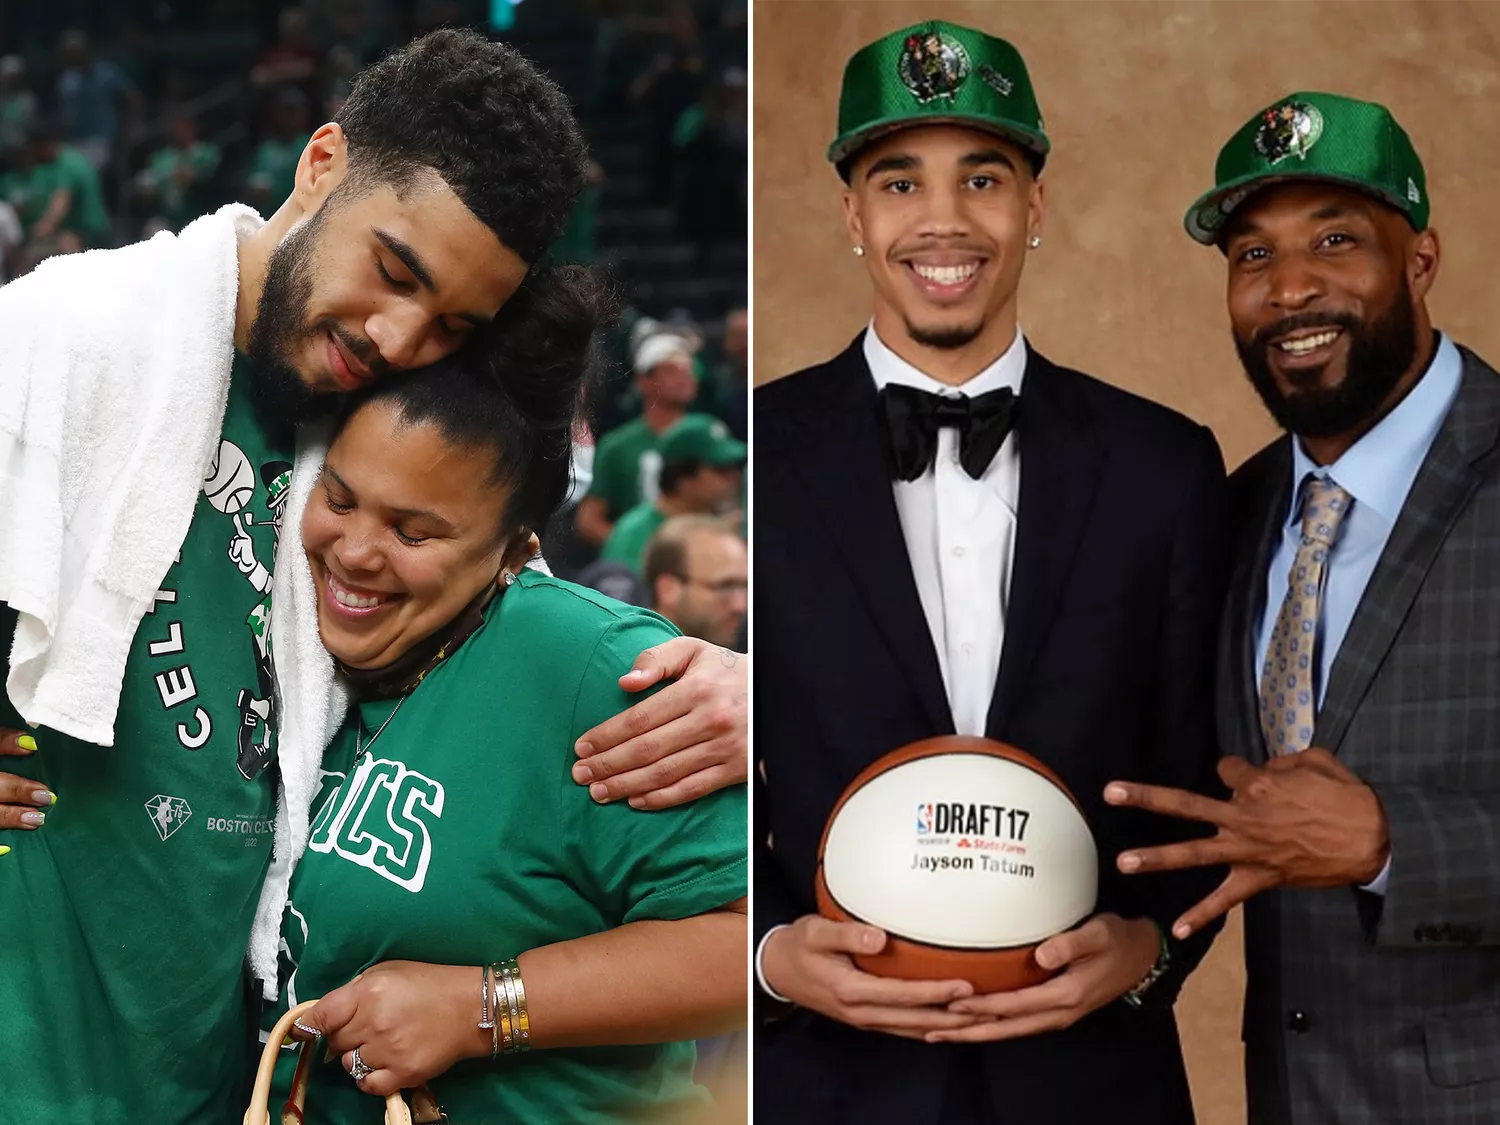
1136 996
486 1014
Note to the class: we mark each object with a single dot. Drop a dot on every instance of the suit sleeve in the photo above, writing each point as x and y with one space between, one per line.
772 903
1444 886
1185 744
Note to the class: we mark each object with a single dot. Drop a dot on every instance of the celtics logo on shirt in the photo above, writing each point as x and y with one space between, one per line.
230 487
380 819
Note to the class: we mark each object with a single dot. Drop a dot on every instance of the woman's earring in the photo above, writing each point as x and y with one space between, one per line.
510 578
859 251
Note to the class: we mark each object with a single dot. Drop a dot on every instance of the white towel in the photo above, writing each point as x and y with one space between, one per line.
114 374
313 702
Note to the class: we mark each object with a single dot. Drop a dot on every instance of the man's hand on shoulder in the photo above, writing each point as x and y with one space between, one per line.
682 743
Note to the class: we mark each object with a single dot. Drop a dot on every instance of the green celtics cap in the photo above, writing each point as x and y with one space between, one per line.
937 73
701 437
1311 136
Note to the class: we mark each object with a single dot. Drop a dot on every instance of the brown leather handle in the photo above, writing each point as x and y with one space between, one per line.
259 1113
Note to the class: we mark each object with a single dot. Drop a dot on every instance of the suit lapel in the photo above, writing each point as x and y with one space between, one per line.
1260 534
1060 464
848 479
1446 481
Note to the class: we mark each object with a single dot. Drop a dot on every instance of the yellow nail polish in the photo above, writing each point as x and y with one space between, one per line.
26 742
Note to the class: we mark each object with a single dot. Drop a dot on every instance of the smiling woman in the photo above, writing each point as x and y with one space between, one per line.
451 781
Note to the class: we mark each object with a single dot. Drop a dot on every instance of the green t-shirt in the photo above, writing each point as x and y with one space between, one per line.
632 531
122 992
30 193
626 467
460 838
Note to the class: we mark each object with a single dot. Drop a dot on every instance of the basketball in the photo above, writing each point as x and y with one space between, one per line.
230 481
968 853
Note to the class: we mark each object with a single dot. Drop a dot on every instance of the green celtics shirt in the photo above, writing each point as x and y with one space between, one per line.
459 837
632 531
121 984
626 467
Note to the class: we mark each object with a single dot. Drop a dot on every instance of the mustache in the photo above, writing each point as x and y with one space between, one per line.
1298 321
363 350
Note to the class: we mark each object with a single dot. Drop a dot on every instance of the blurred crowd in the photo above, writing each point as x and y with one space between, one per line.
154 114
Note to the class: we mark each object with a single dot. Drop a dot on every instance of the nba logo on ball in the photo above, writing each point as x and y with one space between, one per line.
999 859
924 818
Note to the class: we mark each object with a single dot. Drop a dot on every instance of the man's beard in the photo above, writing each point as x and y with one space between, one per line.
1380 352
944 339
279 328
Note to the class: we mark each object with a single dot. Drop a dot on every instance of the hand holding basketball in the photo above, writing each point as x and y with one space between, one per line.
810 963
1099 961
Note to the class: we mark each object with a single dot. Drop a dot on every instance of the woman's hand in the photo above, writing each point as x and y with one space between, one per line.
411 1021
22 799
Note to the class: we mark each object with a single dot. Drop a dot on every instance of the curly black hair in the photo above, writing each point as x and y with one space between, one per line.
498 131
514 388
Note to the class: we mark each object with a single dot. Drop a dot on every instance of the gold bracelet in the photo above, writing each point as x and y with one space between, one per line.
505 1035
510 974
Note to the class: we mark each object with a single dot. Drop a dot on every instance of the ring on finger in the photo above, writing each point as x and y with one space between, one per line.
359 1070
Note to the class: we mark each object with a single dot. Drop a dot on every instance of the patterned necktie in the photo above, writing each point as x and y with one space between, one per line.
1287 698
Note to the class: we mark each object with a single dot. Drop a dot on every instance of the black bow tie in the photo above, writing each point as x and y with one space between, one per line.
913 419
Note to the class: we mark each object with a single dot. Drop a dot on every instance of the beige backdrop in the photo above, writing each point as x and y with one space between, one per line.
1138 97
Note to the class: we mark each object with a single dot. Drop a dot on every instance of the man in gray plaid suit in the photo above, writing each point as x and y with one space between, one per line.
1359 666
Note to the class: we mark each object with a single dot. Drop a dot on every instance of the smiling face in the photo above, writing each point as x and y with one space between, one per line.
1326 296
374 281
402 531
944 214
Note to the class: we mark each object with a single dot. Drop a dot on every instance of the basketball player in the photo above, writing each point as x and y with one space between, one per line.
984 543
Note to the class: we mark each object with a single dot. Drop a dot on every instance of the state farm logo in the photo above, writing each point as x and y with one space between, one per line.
168 814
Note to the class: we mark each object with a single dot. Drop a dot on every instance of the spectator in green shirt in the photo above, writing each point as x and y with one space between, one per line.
273 168
55 192
701 464
175 183
626 462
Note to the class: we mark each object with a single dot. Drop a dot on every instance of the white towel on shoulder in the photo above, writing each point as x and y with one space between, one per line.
114 374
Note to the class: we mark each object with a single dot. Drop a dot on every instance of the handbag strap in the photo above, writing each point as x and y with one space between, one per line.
396 1111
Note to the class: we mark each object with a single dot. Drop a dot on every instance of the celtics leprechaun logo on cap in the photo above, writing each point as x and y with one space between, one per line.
933 65
1288 129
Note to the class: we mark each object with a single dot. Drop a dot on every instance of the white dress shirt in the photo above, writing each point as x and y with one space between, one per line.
960 536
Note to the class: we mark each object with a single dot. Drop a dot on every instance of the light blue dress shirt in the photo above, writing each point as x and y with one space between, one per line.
1377 471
